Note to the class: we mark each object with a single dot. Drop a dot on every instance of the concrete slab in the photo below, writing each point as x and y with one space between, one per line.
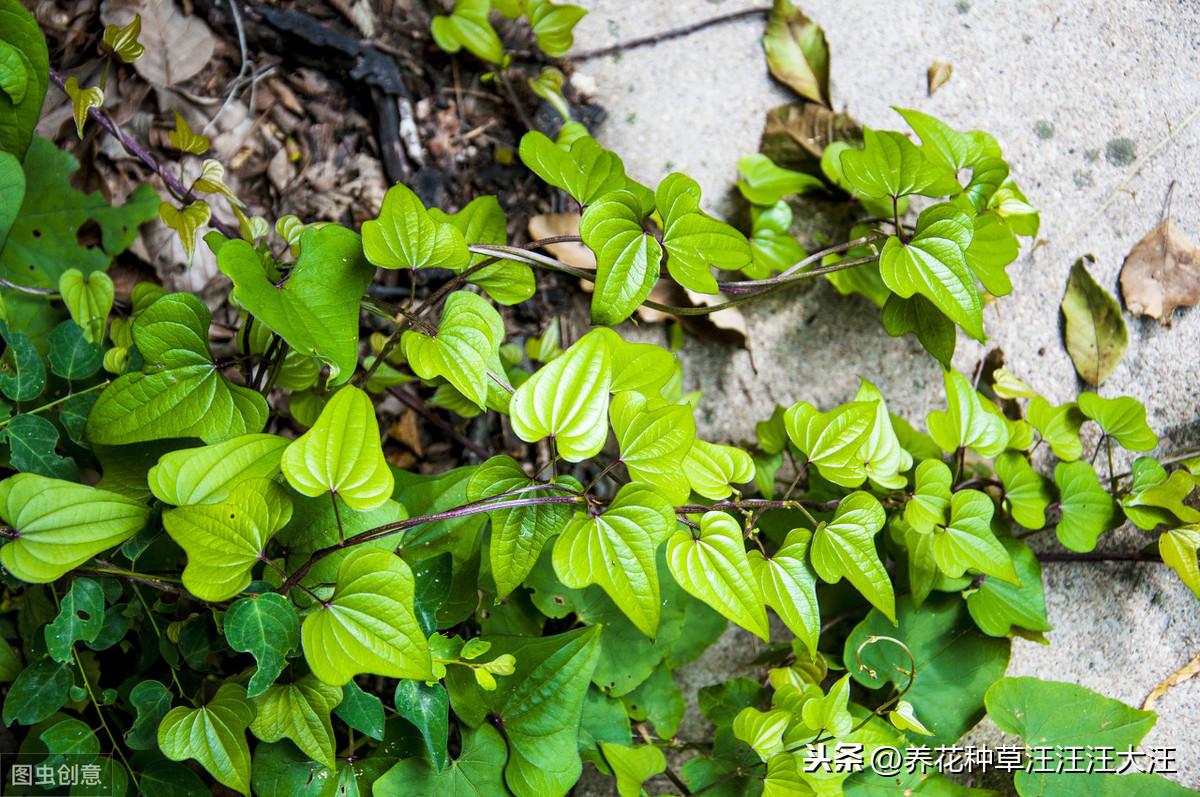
1095 104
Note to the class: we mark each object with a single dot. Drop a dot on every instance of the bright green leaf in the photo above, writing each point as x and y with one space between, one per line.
711 565
999 607
934 331
695 241
552 25
1178 549
88 299
762 730
633 766
789 586
1087 509
585 170
467 341
1122 418
208 474
214 735
764 183
468 27
967 541
712 468
1026 491
405 235
299 711
845 547
654 438
965 423
482 221
889 165
627 256
1058 426
931 497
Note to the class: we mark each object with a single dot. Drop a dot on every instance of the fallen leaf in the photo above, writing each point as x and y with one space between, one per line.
177 45
937 75
552 225
725 326
795 135
408 431
1189 670
1161 273
1095 332
797 53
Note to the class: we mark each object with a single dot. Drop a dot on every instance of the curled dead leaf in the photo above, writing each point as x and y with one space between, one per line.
1161 273
795 135
937 75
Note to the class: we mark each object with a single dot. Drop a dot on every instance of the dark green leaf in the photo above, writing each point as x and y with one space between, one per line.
80 618
267 627
32 440
428 709
72 356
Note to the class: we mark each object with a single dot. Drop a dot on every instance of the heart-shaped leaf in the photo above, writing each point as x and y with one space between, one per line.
28 56
367 625
763 183
477 772
267 627
633 766
178 393
186 222
316 309
341 454
789 586
993 247
568 400
553 24
468 27
654 438
627 256
712 468
214 735
951 148
965 423
71 355
1156 498
845 547
1026 491
519 534
933 263
833 441
208 474
427 708
999 607
884 459
617 549
695 241
299 711
918 315
88 299
773 248
82 101
405 235
60 525
931 497
1122 418
1178 549
1087 509
585 170
967 541
1058 426
889 165
711 566
482 221
467 342
225 540
122 41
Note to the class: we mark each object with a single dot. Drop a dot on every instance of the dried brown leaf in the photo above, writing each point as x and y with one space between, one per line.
408 432
795 135
1161 273
1189 670
177 45
937 75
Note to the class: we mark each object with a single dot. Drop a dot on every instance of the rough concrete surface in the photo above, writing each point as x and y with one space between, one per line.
1091 102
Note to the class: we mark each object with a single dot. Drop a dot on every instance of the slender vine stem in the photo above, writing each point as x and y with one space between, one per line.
56 402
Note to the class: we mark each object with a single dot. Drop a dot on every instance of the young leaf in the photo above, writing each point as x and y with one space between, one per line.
467 342
427 708
694 241
772 246
122 41
341 454
178 393
299 711
627 256
965 423
1026 491
1087 509
1156 499
889 165
833 440
1178 549
633 766
904 717
945 145
367 625
1094 329
267 627
482 221
82 101
568 400
967 541
61 525
931 498
88 299
711 469
617 549
468 27
477 772
789 586
225 540
186 222
933 264
316 309
845 547
585 170
1122 418
552 24
884 460
999 608
183 139
797 53
711 565
1058 426
993 247
208 474
214 735
405 235
764 183
654 438
762 730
